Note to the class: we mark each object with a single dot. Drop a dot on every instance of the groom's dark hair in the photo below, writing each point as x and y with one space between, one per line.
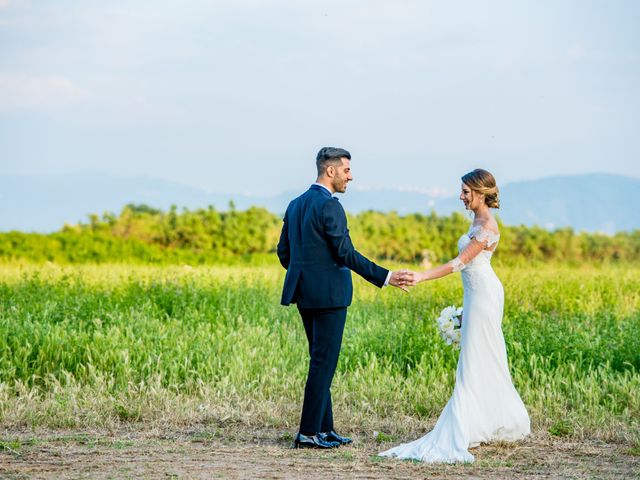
330 156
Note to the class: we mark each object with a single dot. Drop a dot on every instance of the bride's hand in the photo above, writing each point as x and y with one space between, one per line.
398 280
412 278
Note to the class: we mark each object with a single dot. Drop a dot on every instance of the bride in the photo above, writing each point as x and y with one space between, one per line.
484 406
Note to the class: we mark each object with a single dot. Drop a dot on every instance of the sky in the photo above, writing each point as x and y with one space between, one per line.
237 96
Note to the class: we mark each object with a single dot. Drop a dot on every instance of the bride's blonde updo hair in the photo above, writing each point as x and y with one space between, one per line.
482 181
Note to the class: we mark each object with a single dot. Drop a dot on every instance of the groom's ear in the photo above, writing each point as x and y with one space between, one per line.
330 171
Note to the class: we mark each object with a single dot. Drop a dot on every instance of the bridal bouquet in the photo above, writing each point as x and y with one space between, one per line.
449 323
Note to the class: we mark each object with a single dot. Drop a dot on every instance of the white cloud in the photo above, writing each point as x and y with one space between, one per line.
20 91
435 192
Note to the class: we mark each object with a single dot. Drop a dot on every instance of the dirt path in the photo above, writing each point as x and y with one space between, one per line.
265 454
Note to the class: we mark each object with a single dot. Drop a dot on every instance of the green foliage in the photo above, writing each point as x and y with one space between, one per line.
142 234
561 428
572 334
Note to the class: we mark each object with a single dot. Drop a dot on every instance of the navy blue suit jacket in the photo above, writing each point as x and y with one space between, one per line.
317 252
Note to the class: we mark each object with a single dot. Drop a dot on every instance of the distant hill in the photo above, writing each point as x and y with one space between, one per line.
594 202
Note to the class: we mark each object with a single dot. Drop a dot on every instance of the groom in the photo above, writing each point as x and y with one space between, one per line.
317 252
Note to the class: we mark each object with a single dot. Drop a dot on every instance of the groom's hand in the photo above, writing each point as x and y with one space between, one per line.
398 279
410 278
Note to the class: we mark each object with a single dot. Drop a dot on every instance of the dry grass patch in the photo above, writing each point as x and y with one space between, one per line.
237 452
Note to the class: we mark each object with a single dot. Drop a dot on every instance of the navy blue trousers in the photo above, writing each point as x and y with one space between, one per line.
324 328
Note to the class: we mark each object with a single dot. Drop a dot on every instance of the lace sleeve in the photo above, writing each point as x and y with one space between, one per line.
484 235
456 264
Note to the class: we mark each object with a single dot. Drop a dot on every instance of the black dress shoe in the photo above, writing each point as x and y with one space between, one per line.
332 436
313 441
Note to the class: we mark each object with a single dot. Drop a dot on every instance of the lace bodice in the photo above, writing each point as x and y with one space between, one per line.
481 234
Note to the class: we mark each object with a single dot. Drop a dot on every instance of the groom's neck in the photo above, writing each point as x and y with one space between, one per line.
326 182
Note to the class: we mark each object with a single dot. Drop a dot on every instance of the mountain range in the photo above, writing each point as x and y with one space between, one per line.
594 202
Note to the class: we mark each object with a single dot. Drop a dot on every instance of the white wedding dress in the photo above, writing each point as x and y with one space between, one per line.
485 405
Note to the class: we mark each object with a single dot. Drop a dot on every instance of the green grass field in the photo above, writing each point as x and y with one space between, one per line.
97 346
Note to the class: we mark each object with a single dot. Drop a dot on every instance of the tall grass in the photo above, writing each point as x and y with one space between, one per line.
99 345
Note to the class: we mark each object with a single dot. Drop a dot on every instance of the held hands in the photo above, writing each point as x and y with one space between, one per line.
404 279
412 278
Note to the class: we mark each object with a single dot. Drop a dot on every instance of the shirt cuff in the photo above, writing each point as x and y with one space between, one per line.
386 282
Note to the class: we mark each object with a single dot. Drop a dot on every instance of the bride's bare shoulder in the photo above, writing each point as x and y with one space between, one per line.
488 224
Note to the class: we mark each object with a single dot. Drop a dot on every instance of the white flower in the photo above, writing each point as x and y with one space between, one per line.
449 325
448 312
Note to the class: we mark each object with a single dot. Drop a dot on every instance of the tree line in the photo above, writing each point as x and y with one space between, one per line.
142 234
